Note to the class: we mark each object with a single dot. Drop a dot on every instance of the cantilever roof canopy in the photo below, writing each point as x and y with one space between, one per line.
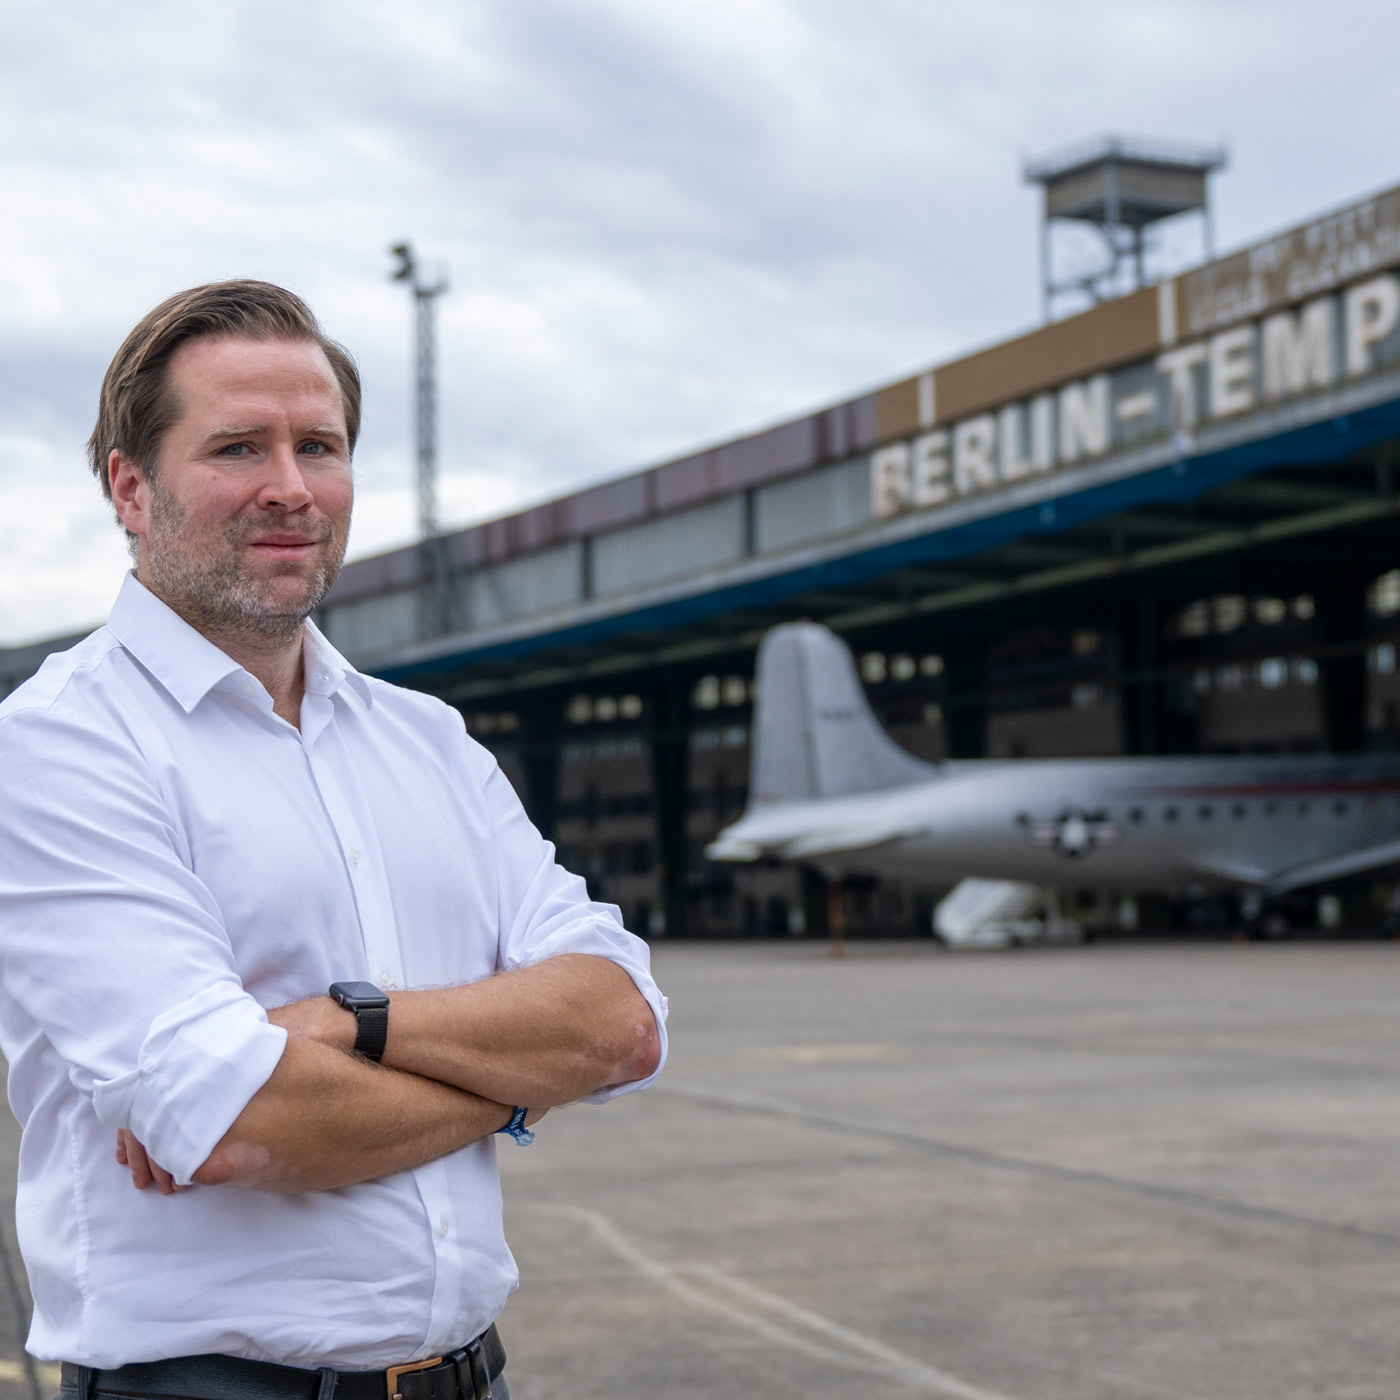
1281 501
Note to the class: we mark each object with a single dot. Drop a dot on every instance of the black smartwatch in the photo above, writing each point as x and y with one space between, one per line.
371 1008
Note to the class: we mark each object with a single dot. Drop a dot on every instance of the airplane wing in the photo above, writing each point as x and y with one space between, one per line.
733 848
1314 872
1233 872
834 840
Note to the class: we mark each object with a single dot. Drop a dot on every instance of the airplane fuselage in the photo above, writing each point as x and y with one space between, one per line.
1144 823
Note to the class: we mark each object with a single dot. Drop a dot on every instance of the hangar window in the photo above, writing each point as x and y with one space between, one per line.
1230 678
1270 611
735 736
872 667
625 746
506 723
735 690
903 668
931 666
1193 621
1304 609
1230 612
1085 642
1086 696
1205 811
579 710
705 696
1383 659
1200 682
933 714
1385 594
1305 670
1273 672
605 709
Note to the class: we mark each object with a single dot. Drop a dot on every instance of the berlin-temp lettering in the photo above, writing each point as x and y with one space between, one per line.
1266 361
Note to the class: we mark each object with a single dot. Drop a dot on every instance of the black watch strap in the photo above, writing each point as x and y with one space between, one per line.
371 1009
374 1031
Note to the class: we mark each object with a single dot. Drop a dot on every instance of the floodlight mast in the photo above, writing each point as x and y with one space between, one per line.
435 598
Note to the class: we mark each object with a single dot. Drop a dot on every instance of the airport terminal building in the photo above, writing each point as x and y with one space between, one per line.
1168 524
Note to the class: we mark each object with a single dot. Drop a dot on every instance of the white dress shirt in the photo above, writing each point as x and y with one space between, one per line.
174 859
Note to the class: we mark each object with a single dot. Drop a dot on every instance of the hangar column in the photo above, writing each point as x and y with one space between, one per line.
670 775
965 703
542 735
1139 687
1341 670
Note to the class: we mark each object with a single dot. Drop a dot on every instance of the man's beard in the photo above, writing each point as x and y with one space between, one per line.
216 592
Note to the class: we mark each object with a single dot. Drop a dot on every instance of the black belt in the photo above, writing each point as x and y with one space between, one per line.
465 1374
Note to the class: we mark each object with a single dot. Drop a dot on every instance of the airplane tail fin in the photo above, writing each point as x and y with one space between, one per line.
815 734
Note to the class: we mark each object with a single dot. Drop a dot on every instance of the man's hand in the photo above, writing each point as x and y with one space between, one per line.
144 1172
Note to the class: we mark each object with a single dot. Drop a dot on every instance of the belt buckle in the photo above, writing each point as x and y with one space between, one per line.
392 1374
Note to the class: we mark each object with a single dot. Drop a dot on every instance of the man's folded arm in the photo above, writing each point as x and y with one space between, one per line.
543 1035
326 1119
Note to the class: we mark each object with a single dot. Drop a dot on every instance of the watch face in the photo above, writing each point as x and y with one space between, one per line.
356 994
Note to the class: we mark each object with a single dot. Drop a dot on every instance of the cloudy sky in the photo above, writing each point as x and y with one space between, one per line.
666 221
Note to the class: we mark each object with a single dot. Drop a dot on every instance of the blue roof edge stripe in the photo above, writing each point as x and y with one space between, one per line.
1183 480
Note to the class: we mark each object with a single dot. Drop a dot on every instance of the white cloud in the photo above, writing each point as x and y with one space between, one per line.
666 224
62 556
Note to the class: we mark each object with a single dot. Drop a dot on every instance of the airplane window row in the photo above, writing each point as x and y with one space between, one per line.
1206 811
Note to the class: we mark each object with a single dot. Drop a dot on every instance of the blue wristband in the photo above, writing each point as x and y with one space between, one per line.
516 1128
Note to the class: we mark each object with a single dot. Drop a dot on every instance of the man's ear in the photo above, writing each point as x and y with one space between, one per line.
131 492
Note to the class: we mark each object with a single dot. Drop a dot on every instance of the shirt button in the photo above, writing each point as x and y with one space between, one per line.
354 856
386 982
443 1227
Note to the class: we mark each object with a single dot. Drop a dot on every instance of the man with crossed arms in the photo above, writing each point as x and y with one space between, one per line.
209 819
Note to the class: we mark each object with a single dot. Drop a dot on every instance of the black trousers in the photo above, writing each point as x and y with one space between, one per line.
499 1391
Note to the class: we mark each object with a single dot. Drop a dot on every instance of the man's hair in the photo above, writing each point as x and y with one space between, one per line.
137 406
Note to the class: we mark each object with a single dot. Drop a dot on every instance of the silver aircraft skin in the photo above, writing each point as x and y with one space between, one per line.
830 788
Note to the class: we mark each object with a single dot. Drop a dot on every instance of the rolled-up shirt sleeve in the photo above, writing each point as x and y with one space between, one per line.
114 948
544 911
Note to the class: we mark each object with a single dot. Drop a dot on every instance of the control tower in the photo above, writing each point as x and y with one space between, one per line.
1120 187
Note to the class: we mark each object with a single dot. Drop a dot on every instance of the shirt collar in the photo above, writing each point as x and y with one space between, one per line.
189 665
327 670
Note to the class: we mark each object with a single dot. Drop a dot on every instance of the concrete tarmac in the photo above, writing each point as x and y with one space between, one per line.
1142 1170
1138 1170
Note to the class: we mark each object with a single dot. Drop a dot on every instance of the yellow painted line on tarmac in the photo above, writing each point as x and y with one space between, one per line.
833 1054
15 1371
